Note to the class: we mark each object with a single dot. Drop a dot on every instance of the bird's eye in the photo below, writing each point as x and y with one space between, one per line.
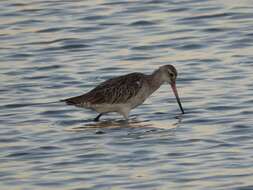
171 75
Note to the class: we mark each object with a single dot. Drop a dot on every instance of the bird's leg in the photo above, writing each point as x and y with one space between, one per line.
125 113
97 118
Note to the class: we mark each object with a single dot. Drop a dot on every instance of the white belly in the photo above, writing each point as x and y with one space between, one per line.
122 108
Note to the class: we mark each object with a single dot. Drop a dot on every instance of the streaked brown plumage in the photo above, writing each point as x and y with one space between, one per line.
112 91
123 93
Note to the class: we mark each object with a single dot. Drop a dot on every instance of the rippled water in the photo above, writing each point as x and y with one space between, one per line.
52 50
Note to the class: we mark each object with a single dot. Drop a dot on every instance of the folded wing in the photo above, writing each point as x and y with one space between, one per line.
113 91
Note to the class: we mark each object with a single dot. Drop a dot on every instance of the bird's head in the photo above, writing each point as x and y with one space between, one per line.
169 74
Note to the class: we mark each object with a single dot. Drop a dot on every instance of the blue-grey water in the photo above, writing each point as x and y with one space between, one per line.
51 50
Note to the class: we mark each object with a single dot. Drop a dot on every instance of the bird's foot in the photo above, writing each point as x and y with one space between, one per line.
97 118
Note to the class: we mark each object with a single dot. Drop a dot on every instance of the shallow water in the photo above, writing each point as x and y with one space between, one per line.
52 50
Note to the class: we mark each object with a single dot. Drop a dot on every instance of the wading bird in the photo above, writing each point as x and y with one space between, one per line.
124 93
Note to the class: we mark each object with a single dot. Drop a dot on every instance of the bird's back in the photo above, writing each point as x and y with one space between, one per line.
117 90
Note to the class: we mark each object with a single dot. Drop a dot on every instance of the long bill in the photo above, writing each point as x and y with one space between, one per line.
174 88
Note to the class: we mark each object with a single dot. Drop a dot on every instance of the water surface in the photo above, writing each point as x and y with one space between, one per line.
52 50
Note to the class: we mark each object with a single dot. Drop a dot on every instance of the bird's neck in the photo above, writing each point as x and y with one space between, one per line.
155 80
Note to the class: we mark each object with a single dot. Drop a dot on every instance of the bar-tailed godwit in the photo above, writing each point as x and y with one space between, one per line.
124 93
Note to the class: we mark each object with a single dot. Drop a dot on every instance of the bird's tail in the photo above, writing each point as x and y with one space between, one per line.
72 101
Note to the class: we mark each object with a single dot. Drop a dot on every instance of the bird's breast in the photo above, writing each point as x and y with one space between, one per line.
140 97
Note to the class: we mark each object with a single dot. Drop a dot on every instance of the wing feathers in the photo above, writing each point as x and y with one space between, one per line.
112 91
